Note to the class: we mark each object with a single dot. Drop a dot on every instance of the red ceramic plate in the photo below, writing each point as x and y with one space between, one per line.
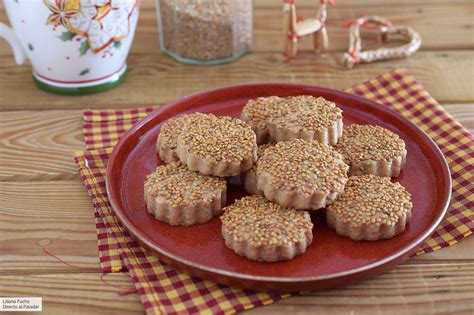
331 260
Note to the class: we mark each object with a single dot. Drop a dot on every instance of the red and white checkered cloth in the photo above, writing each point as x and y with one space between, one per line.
163 289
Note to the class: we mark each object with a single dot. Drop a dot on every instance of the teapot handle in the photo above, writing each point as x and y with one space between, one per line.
11 38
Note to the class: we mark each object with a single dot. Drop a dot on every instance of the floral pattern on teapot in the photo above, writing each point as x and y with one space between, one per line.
100 22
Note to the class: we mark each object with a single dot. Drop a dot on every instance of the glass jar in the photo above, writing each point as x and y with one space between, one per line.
205 32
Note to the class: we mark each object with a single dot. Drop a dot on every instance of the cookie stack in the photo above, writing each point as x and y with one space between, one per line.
305 161
201 150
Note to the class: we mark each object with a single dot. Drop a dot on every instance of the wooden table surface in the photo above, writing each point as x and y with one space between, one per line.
43 203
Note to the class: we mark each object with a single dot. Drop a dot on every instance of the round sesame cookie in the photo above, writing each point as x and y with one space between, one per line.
306 117
249 178
221 146
178 196
371 208
301 174
168 137
257 112
372 150
262 230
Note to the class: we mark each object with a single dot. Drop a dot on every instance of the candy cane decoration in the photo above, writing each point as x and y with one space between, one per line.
356 55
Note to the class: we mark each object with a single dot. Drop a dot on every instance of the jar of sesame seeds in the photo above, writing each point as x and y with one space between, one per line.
205 32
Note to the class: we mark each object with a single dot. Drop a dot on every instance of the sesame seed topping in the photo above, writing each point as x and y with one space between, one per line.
303 112
222 139
304 166
172 128
370 199
308 113
258 111
261 222
260 151
177 185
366 142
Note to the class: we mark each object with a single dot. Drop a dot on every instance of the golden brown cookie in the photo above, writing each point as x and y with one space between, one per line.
168 137
220 146
249 178
370 208
257 113
178 196
306 117
301 174
264 231
372 150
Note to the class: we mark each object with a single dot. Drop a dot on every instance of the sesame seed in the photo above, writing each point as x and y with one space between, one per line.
257 111
307 113
366 142
262 222
370 199
179 186
304 113
260 151
171 129
304 166
219 139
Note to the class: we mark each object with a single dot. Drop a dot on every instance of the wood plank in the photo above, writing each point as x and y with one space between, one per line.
349 3
40 144
464 113
454 27
155 79
58 216
54 215
421 289
76 293
408 289
150 4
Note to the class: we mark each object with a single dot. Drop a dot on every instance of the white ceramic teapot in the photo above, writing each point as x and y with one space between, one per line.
74 46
